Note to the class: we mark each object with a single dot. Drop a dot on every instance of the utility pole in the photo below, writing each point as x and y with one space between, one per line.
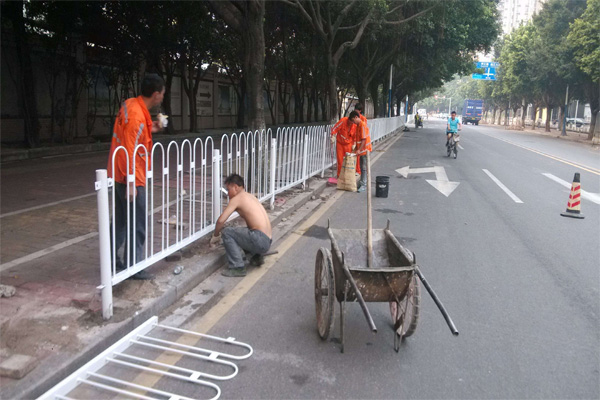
564 125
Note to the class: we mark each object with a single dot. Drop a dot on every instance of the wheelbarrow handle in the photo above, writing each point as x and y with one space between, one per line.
360 299
353 284
437 302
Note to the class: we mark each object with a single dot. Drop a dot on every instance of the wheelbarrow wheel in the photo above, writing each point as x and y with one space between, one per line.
324 292
407 310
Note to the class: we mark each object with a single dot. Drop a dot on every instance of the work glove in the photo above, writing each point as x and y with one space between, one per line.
215 241
332 139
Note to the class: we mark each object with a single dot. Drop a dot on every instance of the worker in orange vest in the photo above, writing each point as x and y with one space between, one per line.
363 145
344 134
133 127
359 107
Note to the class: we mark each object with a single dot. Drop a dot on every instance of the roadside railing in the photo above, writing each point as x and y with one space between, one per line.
183 195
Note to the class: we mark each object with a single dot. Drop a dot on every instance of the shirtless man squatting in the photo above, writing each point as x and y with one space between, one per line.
254 238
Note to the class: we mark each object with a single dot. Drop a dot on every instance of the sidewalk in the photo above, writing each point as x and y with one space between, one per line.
53 324
573 136
12 154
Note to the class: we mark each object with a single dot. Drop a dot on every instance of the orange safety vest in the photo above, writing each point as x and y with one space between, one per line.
345 131
133 126
362 133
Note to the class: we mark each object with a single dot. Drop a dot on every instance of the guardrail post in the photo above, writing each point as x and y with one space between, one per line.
304 161
272 170
216 186
324 155
104 235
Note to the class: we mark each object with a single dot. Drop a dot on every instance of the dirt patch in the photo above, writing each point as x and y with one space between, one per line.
134 291
40 337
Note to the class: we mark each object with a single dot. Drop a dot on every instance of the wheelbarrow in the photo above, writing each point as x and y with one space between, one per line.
370 266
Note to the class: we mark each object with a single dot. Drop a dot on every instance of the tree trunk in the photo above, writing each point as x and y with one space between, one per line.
534 109
315 96
253 39
309 107
594 129
25 81
594 101
323 101
375 96
241 108
548 117
332 84
284 101
560 119
166 104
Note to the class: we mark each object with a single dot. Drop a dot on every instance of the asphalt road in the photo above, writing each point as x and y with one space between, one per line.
520 281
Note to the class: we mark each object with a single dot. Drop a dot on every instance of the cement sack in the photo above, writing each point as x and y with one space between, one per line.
347 178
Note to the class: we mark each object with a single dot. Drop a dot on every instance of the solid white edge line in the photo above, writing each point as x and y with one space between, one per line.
501 185
46 205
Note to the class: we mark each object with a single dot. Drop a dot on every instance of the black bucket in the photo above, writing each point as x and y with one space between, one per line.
382 185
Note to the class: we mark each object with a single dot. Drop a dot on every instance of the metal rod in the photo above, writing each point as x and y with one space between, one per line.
369 215
194 355
104 234
437 302
149 389
229 340
359 298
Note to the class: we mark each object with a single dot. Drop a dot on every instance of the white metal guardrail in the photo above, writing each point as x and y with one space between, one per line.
183 197
100 373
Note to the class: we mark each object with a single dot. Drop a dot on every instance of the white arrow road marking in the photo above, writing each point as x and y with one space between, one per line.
441 181
506 190
594 197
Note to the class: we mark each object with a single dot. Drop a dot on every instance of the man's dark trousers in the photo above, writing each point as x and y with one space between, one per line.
137 227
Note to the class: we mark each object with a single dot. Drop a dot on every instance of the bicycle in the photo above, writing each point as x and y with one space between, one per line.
452 146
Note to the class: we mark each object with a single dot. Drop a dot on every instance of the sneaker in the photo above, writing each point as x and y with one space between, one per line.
257 260
234 272
361 189
143 276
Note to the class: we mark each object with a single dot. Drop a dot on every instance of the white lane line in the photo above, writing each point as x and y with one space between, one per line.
51 249
593 197
46 205
501 185
460 147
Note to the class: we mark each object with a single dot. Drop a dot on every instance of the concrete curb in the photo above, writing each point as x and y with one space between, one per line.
55 368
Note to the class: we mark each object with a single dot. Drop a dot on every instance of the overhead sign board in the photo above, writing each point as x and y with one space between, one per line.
490 71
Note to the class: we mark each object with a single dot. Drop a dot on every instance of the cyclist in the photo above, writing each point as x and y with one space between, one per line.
452 126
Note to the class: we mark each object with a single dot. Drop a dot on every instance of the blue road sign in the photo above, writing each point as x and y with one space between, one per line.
487 64
490 70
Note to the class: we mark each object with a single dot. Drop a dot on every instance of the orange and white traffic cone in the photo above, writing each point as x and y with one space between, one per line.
574 204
